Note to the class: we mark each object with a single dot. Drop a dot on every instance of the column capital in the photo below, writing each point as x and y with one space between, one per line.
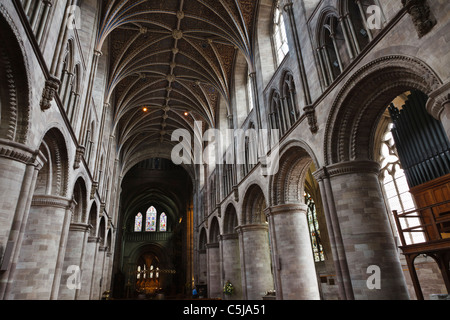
251 227
17 151
349 167
52 201
287 208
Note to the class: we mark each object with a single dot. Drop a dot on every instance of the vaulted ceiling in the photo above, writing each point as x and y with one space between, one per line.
175 58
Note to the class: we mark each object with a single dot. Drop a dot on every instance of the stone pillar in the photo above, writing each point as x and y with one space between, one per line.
76 243
294 268
231 263
256 271
19 170
337 249
368 243
88 268
34 275
213 256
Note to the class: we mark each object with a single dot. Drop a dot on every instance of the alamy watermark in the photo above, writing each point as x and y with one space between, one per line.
251 147
374 280
74 280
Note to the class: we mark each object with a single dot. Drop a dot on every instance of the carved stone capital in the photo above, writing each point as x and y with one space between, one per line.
350 167
51 87
17 152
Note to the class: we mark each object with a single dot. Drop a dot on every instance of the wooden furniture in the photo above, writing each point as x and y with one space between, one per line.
434 224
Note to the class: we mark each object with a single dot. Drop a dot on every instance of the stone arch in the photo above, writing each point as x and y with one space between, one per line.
15 91
253 206
202 239
53 177
214 231
80 197
230 220
288 184
92 218
102 229
362 100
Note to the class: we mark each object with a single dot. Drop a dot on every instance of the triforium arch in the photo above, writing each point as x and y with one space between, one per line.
14 83
360 103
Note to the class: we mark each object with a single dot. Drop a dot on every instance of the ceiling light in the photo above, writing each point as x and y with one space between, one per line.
145 109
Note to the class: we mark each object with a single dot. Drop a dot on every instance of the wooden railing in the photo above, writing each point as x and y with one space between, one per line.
434 222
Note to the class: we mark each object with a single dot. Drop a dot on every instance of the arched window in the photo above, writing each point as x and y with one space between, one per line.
395 184
314 229
138 223
150 225
332 48
277 115
163 222
364 19
279 34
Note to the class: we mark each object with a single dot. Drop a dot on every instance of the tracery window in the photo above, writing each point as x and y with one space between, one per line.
314 230
150 225
279 35
151 221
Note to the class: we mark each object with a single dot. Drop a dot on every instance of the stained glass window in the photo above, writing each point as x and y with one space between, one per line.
151 220
138 223
163 222
314 229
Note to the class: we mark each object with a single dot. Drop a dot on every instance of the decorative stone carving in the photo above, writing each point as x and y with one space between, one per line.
51 87
312 119
421 15
78 156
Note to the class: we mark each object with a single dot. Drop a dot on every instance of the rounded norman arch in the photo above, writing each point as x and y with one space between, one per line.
287 186
253 206
230 220
15 93
365 96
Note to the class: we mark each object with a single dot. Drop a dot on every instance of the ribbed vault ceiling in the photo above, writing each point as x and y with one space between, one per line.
172 57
